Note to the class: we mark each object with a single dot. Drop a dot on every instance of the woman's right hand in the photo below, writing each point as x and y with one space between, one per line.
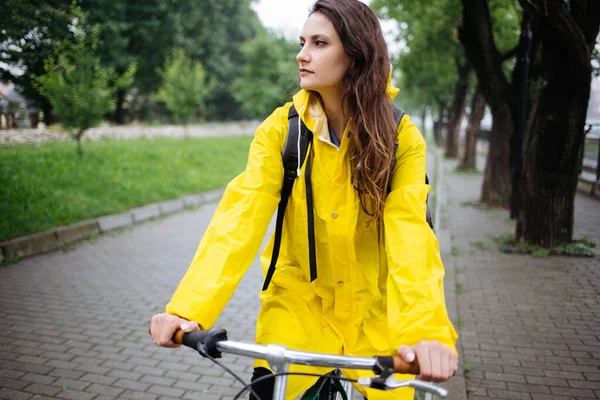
164 326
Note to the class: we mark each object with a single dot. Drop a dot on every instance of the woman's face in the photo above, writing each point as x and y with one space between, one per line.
323 60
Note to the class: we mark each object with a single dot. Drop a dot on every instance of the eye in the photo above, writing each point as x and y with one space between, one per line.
301 44
320 43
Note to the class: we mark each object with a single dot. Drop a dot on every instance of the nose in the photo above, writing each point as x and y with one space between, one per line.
303 56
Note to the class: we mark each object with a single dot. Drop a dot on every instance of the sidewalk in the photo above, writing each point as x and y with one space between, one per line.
529 327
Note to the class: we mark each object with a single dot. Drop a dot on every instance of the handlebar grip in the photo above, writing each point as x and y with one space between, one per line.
204 342
178 336
396 364
402 367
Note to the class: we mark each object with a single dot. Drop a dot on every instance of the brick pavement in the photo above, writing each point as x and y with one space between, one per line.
530 327
74 323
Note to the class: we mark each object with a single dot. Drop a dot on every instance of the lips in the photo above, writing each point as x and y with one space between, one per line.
304 72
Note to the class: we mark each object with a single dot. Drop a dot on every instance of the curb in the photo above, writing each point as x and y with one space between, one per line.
456 387
58 238
587 184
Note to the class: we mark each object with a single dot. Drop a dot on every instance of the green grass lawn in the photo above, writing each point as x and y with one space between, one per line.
46 185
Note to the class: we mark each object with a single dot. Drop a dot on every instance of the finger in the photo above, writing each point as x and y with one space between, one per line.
436 365
406 354
453 364
170 324
188 326
155 327
446 368
422 354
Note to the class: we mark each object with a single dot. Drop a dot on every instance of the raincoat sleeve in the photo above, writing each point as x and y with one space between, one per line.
236 230
416 304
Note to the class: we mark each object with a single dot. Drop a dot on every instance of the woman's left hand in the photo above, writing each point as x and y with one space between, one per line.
437 362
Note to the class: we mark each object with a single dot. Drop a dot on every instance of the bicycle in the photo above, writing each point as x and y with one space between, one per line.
213 342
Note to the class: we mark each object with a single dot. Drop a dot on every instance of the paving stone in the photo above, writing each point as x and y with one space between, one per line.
157 380
201 396
10 394
45 390
13 383
75 395
506 394
166 391
10 374
36 378
132 385
101 379
34 368
193 386
133 395
104 389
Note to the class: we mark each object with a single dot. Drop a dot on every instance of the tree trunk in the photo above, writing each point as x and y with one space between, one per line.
496 188
475 33
551 166
469 157
438 125
457 110
48 117
520 81
119 111
77 136
423 119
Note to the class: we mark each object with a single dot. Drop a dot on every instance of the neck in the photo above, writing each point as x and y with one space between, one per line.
334 109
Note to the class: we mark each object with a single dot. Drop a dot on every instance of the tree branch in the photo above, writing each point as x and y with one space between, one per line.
475 33
561 25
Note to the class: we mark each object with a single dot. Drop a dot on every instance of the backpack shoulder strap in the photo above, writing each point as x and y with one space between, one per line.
293 156
398 114
296 143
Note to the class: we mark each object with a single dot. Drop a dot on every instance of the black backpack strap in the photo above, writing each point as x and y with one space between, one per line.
296 137
312 254
398 114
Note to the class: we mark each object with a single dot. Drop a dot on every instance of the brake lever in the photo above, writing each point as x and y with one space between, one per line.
392 383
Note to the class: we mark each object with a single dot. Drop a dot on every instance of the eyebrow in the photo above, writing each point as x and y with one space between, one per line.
317 36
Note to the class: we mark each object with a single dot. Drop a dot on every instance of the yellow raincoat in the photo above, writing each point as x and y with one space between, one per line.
377 288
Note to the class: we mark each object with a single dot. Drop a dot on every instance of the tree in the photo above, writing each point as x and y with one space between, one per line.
28 34
564 36
269 76
432 56
476 33
214 33
184 87
210 32
468 160
79 89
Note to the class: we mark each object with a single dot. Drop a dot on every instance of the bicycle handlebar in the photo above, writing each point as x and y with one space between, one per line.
213 341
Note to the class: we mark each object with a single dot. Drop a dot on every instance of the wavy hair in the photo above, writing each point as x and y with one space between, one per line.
373 129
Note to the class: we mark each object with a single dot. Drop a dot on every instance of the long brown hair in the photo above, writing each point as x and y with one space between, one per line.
373 130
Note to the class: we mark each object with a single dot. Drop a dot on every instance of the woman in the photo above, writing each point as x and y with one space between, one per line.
380 278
